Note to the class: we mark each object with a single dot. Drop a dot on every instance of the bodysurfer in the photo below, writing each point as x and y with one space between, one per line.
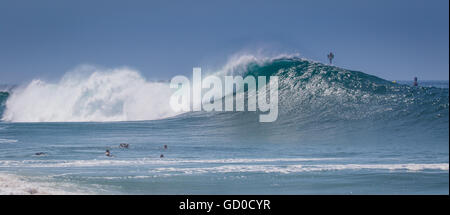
330 57
415 82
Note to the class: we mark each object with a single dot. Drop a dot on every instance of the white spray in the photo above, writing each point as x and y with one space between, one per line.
91 94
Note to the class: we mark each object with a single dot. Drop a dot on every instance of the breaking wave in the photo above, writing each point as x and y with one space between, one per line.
308 92
90 94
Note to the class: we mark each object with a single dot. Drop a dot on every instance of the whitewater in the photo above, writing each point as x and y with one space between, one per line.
338 132
90 94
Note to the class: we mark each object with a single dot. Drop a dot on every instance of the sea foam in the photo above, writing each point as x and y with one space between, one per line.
11 184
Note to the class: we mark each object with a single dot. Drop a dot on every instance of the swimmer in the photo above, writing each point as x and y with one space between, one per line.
161 156
165 146
107 153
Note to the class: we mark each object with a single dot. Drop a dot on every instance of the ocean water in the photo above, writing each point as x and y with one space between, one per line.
338 132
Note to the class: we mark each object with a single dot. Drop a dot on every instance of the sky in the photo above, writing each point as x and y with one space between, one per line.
392 39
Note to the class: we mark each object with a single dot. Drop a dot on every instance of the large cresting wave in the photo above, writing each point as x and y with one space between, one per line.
309 92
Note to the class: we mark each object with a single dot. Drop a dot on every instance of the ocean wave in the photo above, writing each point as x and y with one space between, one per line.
146 161
286 169
308 91
265 165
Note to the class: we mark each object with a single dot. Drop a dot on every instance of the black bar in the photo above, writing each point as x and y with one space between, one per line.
223 204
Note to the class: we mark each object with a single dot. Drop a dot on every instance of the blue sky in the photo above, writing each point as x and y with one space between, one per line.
393 39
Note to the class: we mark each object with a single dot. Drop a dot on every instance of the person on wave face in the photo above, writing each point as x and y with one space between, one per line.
330 57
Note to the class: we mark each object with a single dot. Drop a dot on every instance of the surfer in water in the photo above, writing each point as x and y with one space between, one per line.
124 145
330 57
107 153
415 82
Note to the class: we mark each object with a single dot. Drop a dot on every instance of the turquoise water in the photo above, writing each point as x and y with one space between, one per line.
337 132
